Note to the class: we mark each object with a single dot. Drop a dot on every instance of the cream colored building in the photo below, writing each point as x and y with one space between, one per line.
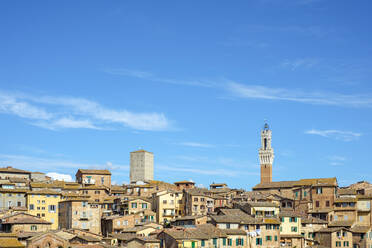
168 205
141 166
290 230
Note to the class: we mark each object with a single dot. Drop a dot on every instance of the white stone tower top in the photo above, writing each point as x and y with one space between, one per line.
266 152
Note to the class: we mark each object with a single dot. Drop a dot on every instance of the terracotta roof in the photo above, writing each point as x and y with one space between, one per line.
23 218
144 239
95 172
302 182
280 184
341 223
13 170
289 214
346 191
333 229
87 238
360 229
234 232
10 243
313 220
184 182
346 199
123 236
317 182
44 192
200 232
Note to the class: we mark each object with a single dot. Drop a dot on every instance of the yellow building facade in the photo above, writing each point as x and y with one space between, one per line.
44 204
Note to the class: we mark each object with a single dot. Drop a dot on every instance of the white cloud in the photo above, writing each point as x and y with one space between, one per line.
336 160
70 112
335 134
281 94
152 77
66 123
11 105
60 176
195 144
57 165
295 64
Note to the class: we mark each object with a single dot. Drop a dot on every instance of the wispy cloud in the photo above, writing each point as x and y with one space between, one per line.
72 112
335 134
282 94
251 91
54 165
295 64
336 160
195 144
154 78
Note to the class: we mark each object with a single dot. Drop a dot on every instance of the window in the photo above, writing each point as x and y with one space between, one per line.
317 204
293 219
239 242
203 243
19 204
164 201
33 228
84 204
276 238
134 205
32 206
305 193
229 242
52 208
338 243
282 219
319 190
327 203
196 199
102 180
224 241
346 243
144 205
268 238
42 215
201 199
258 241
296 194
293 229
215 242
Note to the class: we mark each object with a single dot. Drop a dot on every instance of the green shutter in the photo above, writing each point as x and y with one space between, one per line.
224 241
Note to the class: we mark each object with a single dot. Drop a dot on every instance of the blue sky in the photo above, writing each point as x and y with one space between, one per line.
83 83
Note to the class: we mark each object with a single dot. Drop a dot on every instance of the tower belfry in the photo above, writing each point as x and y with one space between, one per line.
266 155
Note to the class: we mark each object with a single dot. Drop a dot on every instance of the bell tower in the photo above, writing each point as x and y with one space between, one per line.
266 155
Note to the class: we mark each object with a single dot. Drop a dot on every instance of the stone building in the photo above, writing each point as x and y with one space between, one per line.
334 237
197 202
181 185
10 198
96 193
116 223
141 166
94 177
22 222
80 213
10 172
